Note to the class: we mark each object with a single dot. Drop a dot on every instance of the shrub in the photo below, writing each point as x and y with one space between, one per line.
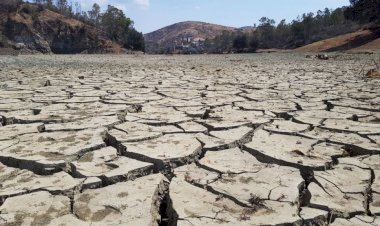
3 41
26 8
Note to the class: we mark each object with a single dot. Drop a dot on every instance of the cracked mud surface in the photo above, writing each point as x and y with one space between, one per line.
188 140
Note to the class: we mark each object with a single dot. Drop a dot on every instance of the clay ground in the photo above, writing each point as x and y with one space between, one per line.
263 139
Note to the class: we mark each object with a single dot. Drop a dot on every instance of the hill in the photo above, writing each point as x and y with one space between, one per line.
183 34
34 28
361 40
328 30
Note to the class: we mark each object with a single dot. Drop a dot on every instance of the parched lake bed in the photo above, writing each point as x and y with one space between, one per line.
262 139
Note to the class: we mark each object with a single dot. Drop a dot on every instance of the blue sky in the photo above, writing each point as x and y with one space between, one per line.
150 15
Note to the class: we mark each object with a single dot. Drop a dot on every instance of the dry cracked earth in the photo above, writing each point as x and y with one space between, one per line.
259 139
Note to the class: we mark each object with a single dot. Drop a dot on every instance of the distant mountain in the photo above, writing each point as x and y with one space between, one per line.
183 33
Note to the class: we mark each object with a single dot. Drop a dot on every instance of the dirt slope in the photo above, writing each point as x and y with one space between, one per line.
362 40
46 31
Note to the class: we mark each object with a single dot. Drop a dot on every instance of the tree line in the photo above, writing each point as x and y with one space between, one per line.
117 26
305 29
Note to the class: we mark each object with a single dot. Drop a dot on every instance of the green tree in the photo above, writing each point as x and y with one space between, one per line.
135 40
9 5
282 33
115 23
223 43
297 29
240 42
267 28
63 7
49 4
94 14
266 22
337 16
308 25
253 43
364 11
119 28
78 9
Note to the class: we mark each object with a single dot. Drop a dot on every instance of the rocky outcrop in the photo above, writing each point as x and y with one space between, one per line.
44 31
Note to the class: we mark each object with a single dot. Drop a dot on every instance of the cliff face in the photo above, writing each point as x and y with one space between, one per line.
45 31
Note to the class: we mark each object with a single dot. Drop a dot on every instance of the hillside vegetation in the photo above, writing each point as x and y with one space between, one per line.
267 34
183 36
306 29
359 41
47 27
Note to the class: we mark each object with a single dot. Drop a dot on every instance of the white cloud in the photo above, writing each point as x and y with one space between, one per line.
143 3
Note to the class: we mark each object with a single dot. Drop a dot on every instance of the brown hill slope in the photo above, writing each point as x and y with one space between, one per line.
168 36
362 40
45 31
